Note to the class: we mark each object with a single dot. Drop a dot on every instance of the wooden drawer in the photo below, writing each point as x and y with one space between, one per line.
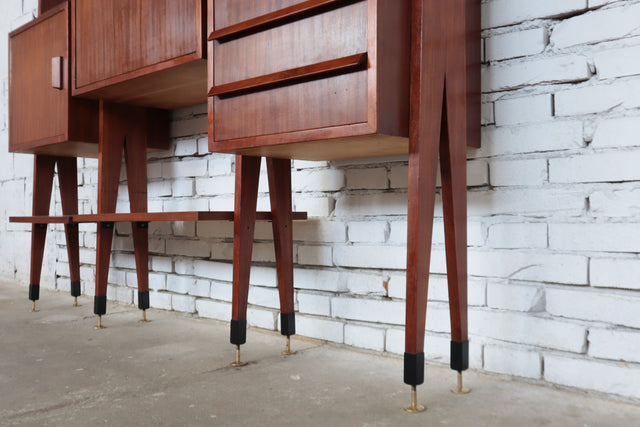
43 118
142 52
285 73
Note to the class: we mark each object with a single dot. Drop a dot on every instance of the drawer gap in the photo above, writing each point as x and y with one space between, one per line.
292 76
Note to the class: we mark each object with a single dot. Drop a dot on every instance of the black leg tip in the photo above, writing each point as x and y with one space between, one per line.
143 300
75 289
99 305
288 323
459 355
414 368
238 332
34 292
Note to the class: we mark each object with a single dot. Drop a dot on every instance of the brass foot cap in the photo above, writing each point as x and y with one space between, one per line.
462 390
414 409
238 364
288 352
98 327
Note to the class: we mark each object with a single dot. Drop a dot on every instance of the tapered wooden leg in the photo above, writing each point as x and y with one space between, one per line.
136 163
279 172
246 196
43 168
111 144
68 180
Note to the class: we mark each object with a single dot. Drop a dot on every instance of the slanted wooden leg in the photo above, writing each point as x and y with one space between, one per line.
279 171
110 149
68 181
136 163
43 167
246 197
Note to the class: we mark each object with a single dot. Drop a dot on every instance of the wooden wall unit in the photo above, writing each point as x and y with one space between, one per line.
44 119
142 52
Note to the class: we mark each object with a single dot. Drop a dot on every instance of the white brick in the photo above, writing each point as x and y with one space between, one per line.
318 180
314 206
160 300
220 165
261 318
498 13
214 270
183 228
621 132
624 94
618 345
399 177
215 186
370 178
319 230
315 255
183 303
518 172
321 280
372 204
194 248
598 167
543 137
264 276
612 237
186 147
307 164
320 328
597 26
534 108
512 361
222 291
161 264
517 235
367 310
188 127
190 168
487 114
527 329
393 257
215 229
525 201
264 297
608 377
182 205
618 62
180 284
200 288
529 265
157 281
224 252
159 189
367 231
516 44
364 337
615 273
594 305
509 296
394 341
314 304
213 309
514 75
203 146
182 188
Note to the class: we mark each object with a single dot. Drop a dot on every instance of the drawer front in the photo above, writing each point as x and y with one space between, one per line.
277 74
38 110
130 38
334 34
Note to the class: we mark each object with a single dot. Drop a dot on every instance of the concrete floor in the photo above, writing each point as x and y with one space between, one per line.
56 370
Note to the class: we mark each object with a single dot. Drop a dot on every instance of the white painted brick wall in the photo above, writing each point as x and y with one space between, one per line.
553 202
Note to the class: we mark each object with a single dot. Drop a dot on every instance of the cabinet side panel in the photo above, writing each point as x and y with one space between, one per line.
121 36
394 45
37 111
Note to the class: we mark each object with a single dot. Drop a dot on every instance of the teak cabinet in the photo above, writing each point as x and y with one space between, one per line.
149 53
43 118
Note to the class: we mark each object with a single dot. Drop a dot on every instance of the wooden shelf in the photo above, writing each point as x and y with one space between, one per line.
173 216
63 219
275 18
340 65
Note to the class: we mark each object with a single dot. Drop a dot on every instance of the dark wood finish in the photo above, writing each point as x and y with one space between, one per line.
169 216
345 64
246 197
43 170
273 18
442 118
347 104
68 182
154 57
279 173
65 126
42 219
45 5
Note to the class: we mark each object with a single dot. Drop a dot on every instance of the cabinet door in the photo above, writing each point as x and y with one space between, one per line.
117 41
38 112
